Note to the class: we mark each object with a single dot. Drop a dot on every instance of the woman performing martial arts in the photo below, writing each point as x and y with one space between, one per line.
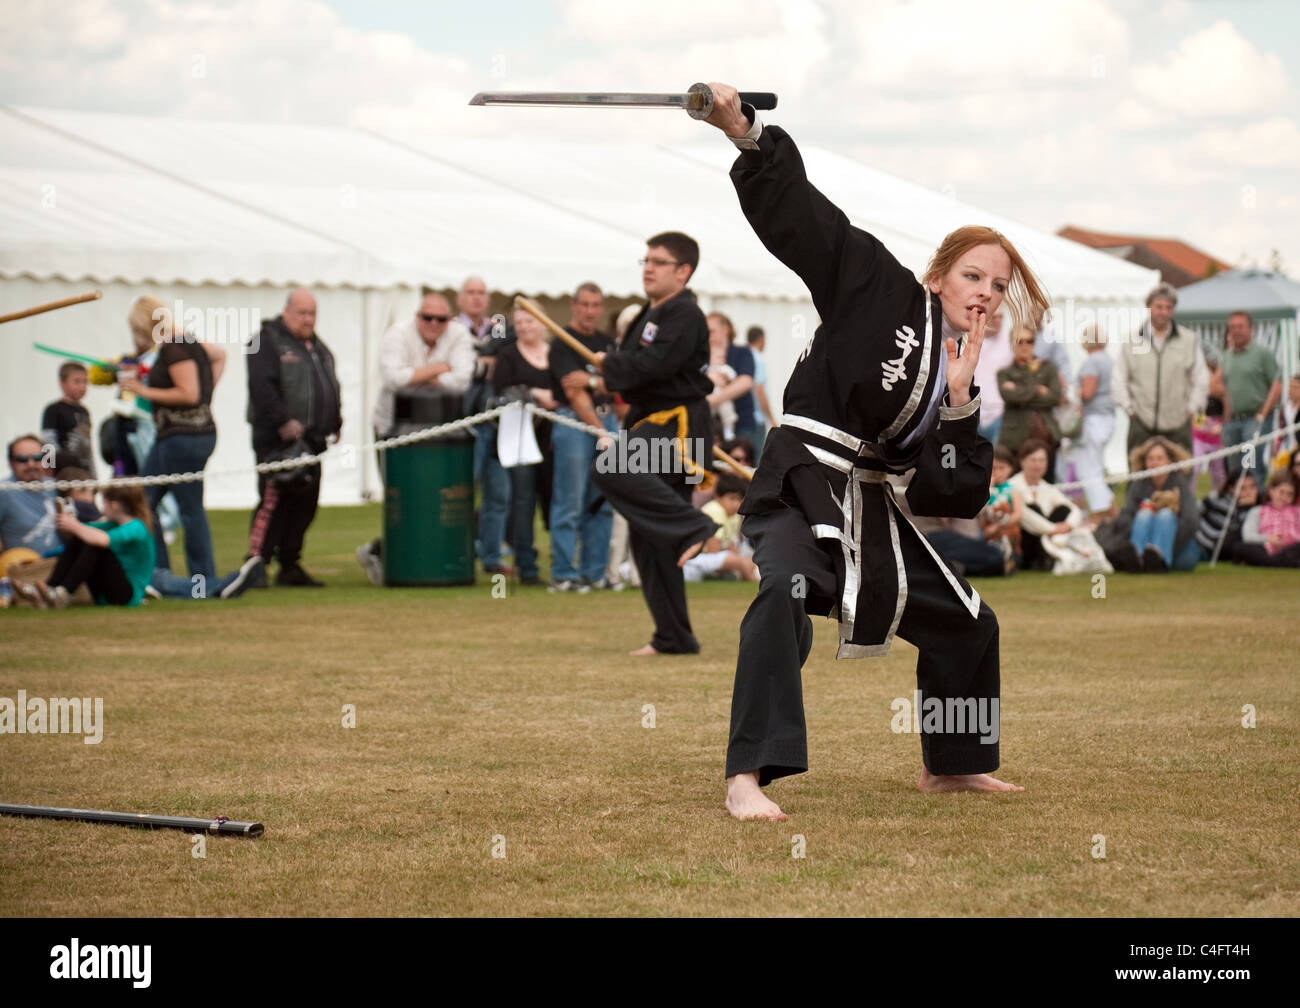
881 389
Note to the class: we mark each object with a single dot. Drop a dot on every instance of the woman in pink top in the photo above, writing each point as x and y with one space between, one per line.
1270 536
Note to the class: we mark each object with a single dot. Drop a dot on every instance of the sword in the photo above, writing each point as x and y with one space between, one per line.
697 101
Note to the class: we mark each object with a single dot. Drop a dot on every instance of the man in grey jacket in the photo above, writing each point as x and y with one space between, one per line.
1160 377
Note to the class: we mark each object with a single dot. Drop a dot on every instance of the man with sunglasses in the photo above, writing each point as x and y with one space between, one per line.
430 350
27 516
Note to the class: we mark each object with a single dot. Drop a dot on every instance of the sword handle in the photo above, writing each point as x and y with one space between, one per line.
702 107
762 100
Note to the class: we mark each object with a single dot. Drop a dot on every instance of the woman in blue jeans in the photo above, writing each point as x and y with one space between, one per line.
179 390
524 368
1163 528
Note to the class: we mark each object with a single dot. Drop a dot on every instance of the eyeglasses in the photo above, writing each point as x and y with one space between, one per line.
26 458
434 318
657 262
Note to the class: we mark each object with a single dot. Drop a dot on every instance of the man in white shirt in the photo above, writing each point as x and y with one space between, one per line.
430 350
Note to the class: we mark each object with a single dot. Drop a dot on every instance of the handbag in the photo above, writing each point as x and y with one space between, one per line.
300 478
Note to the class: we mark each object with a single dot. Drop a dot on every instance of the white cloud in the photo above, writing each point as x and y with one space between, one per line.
1271 143
937 46
294 60
1213 72
1034 111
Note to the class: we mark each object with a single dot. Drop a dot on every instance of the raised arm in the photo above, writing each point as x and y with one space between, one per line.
796 223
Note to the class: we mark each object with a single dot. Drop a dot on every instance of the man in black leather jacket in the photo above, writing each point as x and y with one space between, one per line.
294 408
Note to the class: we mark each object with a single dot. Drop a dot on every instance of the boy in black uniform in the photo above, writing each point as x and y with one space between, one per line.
880 389
659 371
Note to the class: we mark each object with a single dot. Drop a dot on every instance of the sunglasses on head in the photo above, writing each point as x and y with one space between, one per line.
435 318
27 458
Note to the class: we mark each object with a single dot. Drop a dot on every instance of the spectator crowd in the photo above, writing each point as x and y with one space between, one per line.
112 547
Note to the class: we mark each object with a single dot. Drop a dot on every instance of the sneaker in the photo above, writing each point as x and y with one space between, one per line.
32 595
505 569
1154 561
56 597
296 577
579 587
371 564
258 578
243 578
151 592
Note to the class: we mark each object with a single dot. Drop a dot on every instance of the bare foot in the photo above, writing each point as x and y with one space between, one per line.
690 552
644 652
963 782
745 799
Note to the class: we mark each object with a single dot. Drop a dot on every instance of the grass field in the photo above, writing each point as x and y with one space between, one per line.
517 726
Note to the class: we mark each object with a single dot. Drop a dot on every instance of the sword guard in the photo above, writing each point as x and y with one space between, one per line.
702 107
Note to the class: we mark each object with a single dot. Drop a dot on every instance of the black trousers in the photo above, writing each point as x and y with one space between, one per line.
661 526
282 518
979 556
958 654
1032 556
1257 556
94 566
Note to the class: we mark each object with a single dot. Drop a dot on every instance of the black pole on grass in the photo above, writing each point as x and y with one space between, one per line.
188 823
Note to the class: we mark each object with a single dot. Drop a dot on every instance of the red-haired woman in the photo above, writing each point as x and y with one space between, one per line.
881 389
114 558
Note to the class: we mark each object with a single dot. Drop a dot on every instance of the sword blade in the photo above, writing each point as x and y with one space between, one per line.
609 99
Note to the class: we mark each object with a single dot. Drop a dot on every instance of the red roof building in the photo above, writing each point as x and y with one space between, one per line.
1179 264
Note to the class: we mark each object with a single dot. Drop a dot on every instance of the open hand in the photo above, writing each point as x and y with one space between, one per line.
961 370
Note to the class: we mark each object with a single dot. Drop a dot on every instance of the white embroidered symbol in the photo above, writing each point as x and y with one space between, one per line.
894 370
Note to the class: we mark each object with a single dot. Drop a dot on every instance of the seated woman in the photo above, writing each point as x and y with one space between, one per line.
1215 513
1270 535
114 558
1046 511
1160 512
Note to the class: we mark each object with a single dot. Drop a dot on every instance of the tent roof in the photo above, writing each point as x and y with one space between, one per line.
1265 295
140 198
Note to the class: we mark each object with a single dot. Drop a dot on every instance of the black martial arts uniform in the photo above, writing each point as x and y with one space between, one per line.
866 399
660 371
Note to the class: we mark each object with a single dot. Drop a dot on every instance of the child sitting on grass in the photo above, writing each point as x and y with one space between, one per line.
1000 518
727 552
114 558
1270 536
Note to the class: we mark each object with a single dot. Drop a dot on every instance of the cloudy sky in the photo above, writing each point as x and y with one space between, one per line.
1177 118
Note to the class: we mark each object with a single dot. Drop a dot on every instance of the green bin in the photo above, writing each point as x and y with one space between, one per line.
429 506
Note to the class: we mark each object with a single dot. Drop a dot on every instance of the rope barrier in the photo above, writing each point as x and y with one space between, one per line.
429 433
1175 466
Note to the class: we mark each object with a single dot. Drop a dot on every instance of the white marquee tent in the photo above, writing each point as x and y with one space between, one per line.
227 217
